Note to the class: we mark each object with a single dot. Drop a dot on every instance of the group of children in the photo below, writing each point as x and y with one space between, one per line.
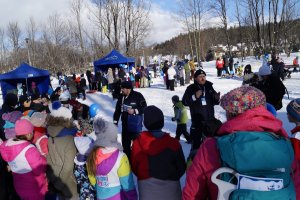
54 160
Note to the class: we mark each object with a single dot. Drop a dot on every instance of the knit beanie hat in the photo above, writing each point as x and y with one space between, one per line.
11 99
126 84
198 72
264 70
175 98
293 109
153 118
38 119
12 116
57 110
23 127
106 134
242 99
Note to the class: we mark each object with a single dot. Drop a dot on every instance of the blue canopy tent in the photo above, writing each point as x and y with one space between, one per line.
113 59
25 74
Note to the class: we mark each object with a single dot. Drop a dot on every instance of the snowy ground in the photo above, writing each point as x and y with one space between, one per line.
157 95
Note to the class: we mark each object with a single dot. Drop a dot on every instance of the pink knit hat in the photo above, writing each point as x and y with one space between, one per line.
242 99
23 127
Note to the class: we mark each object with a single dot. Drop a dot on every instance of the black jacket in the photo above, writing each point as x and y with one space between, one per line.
82 83
274 90
198 111
135 100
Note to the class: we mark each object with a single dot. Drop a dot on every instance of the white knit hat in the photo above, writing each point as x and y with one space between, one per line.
57 110
264 70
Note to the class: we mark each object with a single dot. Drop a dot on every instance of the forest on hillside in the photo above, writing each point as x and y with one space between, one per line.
212 37
259 26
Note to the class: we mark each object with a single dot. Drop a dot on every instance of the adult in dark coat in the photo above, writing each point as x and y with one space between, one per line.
201 98
271 86
226 64
278 69
122 74
82 86
88 76
231 60
129 103
55 94
165 71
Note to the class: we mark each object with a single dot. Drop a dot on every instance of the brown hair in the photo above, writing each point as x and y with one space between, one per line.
20 137
90 163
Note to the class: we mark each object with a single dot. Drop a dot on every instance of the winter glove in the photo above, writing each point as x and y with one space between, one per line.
173 119
116 123
217 96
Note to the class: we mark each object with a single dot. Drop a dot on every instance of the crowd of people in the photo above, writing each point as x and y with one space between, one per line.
54 147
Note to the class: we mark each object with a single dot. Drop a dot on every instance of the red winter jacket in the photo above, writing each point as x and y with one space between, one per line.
219 64
296 165
198 181
40 140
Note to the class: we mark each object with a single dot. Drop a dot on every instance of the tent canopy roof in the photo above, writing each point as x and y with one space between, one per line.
113 58
24 71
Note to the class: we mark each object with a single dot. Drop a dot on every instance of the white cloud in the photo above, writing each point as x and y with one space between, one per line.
21 10
164 25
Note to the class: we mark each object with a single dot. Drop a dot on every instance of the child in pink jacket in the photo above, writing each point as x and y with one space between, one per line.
28 166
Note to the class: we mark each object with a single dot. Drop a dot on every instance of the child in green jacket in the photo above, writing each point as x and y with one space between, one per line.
181 118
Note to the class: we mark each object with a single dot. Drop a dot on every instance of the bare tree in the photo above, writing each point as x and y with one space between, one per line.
220 7
283 14
31 30
192 16
185 19
136 22
106 17
14 34
56 39
76 9
3 50
262 5
239 19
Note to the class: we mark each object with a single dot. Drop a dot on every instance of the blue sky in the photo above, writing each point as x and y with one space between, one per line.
169 5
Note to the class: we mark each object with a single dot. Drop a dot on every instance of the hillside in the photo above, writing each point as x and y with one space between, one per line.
211 37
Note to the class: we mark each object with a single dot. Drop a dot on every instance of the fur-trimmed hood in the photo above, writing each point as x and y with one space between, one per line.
56 124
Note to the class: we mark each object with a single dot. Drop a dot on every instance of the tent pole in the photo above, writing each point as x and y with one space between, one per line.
26 87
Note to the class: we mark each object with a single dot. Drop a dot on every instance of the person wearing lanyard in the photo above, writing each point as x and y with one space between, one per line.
201 98
129 103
